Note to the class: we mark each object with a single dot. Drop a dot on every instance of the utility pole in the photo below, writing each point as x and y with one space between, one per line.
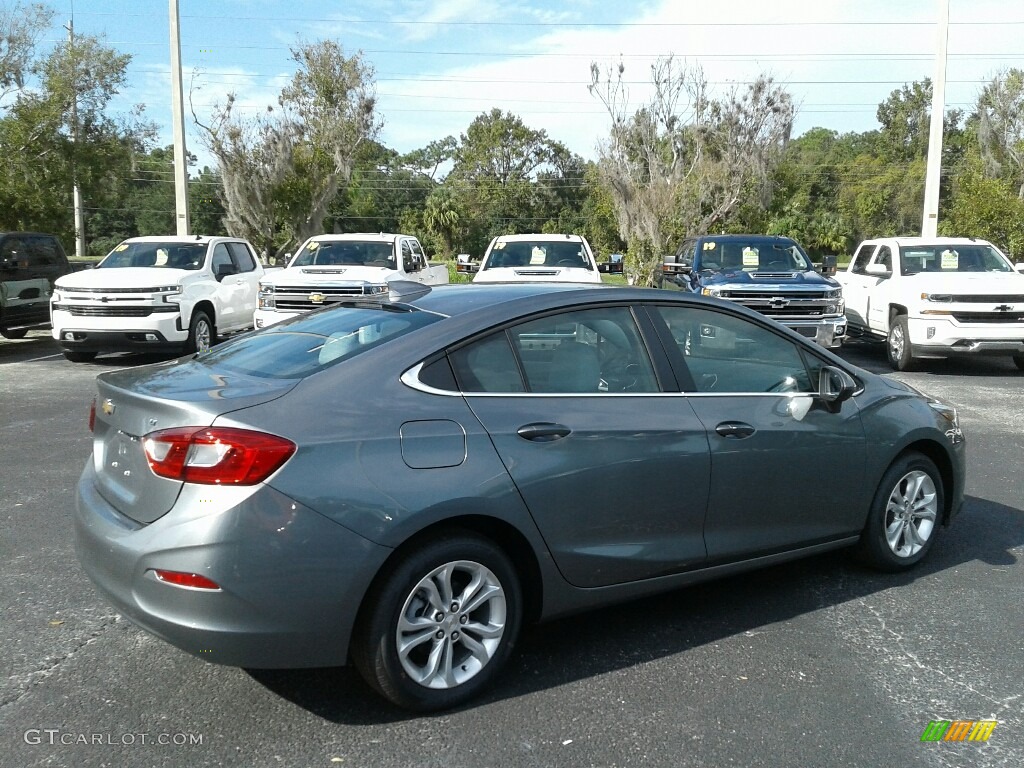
930 219
178 121
76 193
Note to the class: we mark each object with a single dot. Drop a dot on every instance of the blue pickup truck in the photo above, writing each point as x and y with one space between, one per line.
771 275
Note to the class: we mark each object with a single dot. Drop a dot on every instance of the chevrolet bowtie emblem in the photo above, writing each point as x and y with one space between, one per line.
1003 308
108 407
317 298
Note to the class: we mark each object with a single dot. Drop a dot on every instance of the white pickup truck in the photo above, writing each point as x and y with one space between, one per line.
157 294
535 258
937 297
328 269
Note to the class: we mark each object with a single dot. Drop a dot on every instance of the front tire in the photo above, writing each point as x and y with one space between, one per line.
201 333
11 333
905 515
79 356
1018 360
897 345
440 625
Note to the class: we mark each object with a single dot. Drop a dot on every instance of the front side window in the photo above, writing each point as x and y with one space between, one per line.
167 255
593 351
862 258
729 354
222 259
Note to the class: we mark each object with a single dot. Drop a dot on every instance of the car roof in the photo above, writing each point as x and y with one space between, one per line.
384 237
922 241
182 239
538 237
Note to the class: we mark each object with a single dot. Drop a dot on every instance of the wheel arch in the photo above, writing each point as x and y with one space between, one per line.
501 534
204 305
895 310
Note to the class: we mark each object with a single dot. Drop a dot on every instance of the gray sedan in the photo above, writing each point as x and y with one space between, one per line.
401 485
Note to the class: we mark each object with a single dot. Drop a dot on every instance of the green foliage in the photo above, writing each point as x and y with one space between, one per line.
986 208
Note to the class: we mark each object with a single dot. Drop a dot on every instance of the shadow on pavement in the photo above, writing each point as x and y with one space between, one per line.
605 640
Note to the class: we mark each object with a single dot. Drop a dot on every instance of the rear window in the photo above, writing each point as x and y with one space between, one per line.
301 347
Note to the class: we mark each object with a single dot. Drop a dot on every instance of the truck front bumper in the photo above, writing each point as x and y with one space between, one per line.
828 332
266 317
157 332
941 337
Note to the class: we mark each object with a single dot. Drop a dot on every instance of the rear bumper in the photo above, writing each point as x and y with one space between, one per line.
291 580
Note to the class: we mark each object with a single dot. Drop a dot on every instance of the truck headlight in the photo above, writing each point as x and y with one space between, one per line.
376 290
711 291
945 298
267 300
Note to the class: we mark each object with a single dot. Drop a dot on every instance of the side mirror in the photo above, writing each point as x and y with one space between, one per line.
224 270
878 270
835 385
828 264
1020 267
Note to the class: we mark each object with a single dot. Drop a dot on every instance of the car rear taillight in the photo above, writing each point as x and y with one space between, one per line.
216 455
182 579
92 416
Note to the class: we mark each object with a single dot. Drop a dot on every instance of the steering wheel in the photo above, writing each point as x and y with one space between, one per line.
776 265
567 263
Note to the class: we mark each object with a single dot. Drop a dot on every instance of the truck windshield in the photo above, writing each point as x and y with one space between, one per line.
540 253
952 258
169 255
353 252
753 256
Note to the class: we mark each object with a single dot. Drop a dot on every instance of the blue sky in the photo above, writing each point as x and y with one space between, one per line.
439 63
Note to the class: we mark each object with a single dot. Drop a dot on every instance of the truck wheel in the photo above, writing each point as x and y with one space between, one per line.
13 334
1019 361
897 345
441 624
905 515
201 333
79 355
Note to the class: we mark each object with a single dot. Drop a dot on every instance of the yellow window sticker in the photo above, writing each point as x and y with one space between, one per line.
537 256
121 247
950 260
313 245
709 245
499 245
750 257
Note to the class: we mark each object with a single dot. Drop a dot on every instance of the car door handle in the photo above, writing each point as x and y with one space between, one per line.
544 432
736 430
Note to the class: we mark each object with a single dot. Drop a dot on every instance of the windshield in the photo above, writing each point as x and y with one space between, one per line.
539 253
733 254
952 258
354 252
312 342
170 255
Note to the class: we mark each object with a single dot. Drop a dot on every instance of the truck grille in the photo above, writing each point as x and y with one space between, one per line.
782 305
78 311
303 299
970 298
989 317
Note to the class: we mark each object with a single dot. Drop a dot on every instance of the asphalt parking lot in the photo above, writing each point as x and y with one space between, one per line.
815 663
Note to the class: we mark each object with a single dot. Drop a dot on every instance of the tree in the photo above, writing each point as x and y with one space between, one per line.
62 131
20 29
1001 127
684 161
282 170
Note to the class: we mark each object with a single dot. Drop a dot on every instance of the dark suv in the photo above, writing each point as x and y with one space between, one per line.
30 262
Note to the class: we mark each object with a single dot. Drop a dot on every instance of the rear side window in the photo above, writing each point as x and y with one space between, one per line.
301 347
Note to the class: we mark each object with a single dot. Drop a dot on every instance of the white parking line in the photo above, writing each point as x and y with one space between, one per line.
44 357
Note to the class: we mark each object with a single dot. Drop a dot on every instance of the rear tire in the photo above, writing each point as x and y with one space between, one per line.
79 355
438 627
897 345
10 333
1019 361
905 515
201 333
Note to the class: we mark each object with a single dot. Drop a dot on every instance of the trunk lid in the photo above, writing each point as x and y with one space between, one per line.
133 403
